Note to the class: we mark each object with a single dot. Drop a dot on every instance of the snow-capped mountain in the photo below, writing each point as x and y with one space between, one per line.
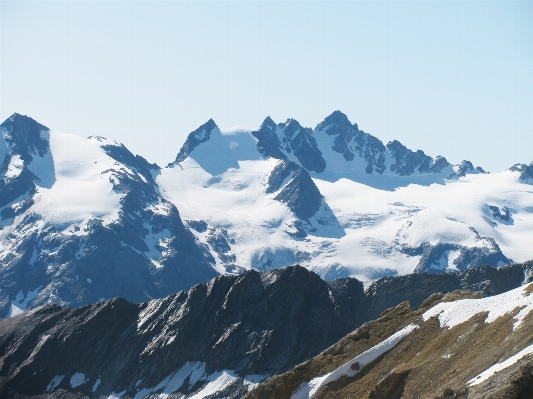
220 339
338 201
84 220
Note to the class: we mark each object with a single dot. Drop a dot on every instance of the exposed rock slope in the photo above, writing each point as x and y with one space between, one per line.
455 346
219 339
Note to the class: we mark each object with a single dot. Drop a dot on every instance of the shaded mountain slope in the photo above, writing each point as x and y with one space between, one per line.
222 337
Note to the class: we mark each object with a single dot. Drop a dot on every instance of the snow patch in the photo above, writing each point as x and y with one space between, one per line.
308 390
114 395
81 189
174 381
19 304
54 383
78 379
500 366
218 381
96 384
16 164
454 313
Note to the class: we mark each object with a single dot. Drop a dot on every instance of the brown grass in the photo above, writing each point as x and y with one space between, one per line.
432 362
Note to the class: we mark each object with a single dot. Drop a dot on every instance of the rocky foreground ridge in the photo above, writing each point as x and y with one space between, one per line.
220 339
457 345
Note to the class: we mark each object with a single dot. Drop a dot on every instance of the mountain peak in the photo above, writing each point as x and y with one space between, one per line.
24 136
268 122
200 135
335 123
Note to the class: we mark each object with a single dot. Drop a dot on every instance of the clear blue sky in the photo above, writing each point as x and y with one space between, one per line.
453 78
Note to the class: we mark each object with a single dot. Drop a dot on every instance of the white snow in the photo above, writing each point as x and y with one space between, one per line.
82 188
19 304
454 313
234 200
14 168
174 381
54 383
43 166
96 384
217 382
194 372
308 390
89 280
369 220
114 395
78 379
500 366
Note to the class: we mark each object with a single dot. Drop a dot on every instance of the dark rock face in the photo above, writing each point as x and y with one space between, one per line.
279 174
220 243
24 137
255 323
372 150
294 139
406 161
500 213
122 155
466 167
349 140
301 195
304 146
439 164
338 125
200 135
23 140
389 291
198 225
269 144
526 171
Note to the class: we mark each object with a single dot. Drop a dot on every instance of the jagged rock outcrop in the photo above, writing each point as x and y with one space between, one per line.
199 136
525 171
301 195
279 175
22 141
407 161
231 333
466 167
250 324
278 141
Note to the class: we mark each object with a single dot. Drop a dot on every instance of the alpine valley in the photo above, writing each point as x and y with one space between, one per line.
198 251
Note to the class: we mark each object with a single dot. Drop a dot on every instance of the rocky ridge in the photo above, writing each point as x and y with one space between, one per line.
456 345
230 333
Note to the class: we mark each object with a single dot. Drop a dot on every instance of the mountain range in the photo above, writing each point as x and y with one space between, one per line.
85 220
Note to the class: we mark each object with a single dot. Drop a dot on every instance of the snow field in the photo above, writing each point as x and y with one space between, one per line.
451 314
